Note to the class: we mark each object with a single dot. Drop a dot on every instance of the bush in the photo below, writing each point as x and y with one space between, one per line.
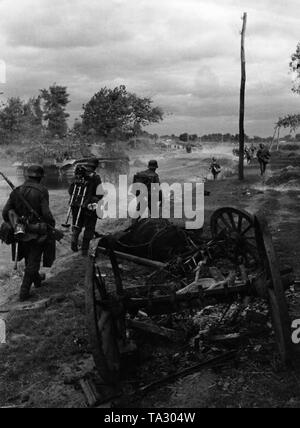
290 147
10 152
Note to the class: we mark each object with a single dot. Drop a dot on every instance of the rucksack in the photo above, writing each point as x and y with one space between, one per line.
144 178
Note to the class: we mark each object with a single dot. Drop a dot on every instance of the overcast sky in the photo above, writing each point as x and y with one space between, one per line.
184 54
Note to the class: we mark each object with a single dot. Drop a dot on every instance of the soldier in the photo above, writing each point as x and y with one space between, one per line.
189 148
148 178
252 150
88 218
248 155
215 168
263 156
34 240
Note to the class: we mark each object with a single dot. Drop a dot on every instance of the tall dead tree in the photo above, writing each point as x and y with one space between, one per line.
242 100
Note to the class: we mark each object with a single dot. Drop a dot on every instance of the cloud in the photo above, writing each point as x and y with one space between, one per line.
59 24
185 54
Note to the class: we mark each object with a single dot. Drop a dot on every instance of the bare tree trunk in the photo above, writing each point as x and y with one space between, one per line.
242 100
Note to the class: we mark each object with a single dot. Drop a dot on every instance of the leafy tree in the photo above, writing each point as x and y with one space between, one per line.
184 137
19 119
77 127
33 111
193 137
227 137
295 68
116 112
291 121
11 115
55 100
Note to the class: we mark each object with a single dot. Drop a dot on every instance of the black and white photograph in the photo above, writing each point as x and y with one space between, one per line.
149 203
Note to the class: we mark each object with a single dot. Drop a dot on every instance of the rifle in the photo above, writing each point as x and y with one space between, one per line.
56 234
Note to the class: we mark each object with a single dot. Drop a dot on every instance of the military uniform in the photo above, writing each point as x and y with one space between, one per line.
248 155
148 178
88 217
35 242
215 169
252 150
263 156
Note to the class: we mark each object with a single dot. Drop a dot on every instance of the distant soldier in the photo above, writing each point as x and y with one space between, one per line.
215 168
263 156
34 239
148 178
248 155
89 180
252 150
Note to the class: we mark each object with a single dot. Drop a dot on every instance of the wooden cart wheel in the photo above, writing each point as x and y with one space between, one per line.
274 289
102 326
237 229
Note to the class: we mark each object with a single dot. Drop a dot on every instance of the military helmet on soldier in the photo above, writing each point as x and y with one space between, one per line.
35 171
93 163
153 164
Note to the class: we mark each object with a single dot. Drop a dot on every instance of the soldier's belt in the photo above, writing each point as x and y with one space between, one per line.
37 228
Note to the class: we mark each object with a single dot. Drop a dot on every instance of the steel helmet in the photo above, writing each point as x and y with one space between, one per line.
35 171
93 163
153 164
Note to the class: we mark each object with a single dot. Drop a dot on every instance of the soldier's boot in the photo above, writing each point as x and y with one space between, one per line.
25 287
39 279
74 241
85 247
89 234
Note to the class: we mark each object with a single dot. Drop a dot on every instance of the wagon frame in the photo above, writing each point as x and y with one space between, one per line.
108 314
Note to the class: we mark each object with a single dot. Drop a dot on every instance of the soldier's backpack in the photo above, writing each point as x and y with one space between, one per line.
144 178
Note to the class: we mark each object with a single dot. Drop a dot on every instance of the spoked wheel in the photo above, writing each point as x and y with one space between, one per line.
237 229
102 325
274 289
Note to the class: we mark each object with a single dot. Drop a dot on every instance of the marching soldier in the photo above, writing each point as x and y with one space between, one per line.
263 156
34 240
86 201
248 155
252 150
215 168
148 178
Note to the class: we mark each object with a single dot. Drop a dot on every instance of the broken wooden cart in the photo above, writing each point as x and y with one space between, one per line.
246 241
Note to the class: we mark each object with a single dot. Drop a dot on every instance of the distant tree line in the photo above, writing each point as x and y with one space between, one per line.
218 138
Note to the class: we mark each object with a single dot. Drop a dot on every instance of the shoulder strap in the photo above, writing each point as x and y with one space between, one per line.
33 186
